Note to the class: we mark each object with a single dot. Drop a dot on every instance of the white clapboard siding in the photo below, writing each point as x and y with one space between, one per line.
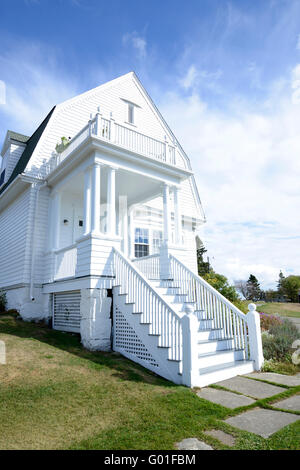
71 116
14 263
66 311
15 152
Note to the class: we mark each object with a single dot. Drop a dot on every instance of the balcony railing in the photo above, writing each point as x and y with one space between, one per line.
108 130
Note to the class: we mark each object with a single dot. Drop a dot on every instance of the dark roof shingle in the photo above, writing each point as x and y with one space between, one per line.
31 143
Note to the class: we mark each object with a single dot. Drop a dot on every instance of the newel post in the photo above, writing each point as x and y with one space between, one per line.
190 368
255 342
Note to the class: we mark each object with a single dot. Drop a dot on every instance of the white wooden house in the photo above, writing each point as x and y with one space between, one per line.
99 236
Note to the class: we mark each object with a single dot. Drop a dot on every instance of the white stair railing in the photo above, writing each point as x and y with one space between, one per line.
149 266
231 321
162 319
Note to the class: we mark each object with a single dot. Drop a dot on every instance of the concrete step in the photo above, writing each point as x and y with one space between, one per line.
219 358
215 374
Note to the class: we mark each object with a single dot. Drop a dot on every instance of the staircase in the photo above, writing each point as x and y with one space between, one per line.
181 328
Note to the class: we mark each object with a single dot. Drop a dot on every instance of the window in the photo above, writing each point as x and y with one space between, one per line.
141 242
2 177
156 241
130 113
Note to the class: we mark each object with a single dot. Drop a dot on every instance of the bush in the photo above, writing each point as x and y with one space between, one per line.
278 341
285 329
3 301
267 321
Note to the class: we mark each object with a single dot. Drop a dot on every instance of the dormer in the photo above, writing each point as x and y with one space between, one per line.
13 147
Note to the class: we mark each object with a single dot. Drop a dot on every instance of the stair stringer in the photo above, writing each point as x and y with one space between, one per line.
143 346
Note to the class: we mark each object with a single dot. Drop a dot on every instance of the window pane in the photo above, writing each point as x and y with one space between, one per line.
141 250
131 113
156 240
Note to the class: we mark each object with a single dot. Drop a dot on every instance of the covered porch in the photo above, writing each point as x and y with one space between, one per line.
91 211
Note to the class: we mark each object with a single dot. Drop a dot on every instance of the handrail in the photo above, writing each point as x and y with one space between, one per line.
162 318
231 321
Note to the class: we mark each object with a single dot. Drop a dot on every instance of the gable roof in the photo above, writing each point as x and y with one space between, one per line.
13 136
31 143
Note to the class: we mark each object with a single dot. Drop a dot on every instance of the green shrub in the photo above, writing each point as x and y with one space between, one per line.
278 341
3 301
285 329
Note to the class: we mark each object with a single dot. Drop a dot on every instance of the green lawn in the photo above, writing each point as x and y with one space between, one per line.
56 395
281 308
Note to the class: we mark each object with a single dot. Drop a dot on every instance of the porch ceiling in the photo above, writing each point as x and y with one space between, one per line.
137 188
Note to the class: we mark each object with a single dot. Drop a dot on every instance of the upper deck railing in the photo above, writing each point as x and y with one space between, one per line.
108 130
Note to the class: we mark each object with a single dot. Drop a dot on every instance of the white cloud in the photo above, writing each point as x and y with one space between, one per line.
138 42
247 166
194 78
190 77
34 82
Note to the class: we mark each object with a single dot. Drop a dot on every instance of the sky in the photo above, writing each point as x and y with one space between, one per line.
225 76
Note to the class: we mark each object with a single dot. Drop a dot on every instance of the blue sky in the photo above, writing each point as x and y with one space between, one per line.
225 75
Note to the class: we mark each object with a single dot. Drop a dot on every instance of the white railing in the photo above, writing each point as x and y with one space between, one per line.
108 129
65 262
149 266
226 316
162 319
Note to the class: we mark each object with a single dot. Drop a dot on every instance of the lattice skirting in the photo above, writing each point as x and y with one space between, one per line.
129 344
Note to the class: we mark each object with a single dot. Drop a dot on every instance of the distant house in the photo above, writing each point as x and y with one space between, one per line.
99 212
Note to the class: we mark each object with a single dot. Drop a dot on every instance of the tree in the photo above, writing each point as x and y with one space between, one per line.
242 287
290 287
254 290
203 266
271 295
279 284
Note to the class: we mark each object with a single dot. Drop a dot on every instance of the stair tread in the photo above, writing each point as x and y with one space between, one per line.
207 341
209 329
219 367
223 351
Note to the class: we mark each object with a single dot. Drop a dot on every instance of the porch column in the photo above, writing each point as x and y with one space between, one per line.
111 201
123 211
167 214
56 220
177 216
95 198
87 202
164 250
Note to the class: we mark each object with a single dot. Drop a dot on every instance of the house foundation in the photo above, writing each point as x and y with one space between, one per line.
95 324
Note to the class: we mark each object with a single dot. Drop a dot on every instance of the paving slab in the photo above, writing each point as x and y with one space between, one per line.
222 436
227 399
262 422
288 380
253 388
193 444
291 403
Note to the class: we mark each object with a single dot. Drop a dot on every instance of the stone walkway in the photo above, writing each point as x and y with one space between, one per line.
244 391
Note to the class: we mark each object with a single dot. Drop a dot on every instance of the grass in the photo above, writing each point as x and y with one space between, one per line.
283 309
56 395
